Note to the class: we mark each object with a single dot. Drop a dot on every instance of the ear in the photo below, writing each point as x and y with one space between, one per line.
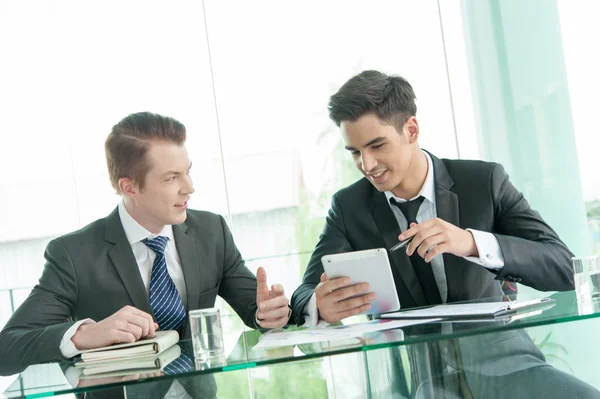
411 129
128 187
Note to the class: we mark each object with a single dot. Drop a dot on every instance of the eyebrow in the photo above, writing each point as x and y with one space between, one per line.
374 141
173 172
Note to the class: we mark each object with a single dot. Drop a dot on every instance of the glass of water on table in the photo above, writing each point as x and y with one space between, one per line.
207 333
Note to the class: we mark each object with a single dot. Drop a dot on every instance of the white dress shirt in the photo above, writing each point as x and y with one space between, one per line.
490 254
144 257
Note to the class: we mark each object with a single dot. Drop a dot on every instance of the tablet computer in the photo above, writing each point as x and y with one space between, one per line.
369 266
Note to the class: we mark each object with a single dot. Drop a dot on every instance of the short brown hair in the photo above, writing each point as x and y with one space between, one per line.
129 140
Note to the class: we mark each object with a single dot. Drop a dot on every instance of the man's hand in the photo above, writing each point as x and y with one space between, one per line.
125 326
436 236
334 302
273 310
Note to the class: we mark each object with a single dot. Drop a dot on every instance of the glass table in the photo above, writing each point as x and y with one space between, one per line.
547 353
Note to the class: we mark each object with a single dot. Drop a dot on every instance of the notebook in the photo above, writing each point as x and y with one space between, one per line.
137 365
144 347
507 318
469 310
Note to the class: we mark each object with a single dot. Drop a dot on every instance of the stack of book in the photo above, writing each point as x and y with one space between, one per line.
143 356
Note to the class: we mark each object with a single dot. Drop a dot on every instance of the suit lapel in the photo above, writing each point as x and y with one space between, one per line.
447 209
190 265
389 230
124 261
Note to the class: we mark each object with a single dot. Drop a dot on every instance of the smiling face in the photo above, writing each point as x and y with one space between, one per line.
390 160
167 188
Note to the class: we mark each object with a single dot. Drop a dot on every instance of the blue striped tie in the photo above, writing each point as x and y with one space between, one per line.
164 298
183 364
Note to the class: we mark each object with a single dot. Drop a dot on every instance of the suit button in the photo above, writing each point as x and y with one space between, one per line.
518 280
509 278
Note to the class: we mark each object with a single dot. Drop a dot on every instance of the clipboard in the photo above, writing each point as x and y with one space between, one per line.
461 311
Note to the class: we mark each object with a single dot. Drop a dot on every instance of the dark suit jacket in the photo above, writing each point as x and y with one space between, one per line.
92 273
469 194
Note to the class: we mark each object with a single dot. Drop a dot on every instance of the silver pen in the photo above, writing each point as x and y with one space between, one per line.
401 244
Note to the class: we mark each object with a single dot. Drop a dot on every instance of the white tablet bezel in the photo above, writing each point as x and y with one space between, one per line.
371 266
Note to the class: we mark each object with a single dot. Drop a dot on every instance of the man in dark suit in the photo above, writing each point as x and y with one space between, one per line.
470 227
142 267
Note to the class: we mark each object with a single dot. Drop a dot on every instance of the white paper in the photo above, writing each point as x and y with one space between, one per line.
278 338
462 309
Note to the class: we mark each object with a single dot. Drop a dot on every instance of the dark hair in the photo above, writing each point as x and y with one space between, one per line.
129 140
390 97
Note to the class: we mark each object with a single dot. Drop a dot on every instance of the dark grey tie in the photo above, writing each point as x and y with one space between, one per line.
422 269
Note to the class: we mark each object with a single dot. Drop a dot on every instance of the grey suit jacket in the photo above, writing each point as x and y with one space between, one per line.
92 273
469 194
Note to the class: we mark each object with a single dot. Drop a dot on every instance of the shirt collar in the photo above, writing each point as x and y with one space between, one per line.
135 232
428 188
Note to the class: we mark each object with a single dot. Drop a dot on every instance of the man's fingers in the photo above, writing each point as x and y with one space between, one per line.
323 277
123 325
354 311
141 313
261 279
428 223
276 290
326 287
152 329
355 302
416 241
415 228
348 307
135 330
274 314
262 295
421 236
411 231
273 323
353 290
335 284
427 244
262 289
141 322
337 311
124 337
274 303
438 250
329 292
151 325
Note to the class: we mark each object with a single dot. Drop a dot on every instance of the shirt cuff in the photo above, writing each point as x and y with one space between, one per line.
490 254
311 319
67 347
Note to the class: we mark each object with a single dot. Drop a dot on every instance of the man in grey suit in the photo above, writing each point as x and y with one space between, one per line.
142 267
470 227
